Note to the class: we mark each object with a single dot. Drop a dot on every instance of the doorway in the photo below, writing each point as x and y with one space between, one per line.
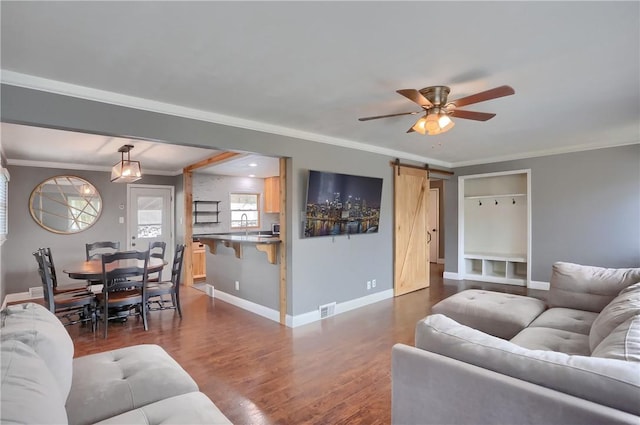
434 224
150 218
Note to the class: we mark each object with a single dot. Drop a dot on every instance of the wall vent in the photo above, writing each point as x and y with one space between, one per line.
36 292
327 310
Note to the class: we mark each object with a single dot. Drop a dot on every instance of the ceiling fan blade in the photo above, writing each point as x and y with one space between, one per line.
416 97
471 115
485 95
387 116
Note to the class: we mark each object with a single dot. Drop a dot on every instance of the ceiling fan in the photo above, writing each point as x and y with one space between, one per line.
438 111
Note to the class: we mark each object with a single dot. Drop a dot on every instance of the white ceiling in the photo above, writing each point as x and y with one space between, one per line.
310 69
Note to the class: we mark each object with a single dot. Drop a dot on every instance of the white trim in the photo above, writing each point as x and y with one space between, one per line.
534 284
18 296
250 306
451 275
304 318
82 92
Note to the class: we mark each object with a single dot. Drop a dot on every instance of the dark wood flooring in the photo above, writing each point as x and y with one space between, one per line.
335 371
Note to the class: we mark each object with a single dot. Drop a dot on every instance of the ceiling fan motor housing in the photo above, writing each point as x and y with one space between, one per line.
436 94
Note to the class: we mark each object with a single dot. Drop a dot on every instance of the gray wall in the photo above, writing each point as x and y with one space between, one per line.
319 270
585 208
25 235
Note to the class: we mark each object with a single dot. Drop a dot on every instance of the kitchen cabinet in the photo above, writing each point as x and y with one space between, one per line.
199 261
272 194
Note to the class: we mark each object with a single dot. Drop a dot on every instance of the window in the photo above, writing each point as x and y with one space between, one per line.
245 210
4 201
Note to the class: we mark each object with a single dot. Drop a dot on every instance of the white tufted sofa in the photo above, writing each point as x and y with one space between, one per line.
575 362
43 384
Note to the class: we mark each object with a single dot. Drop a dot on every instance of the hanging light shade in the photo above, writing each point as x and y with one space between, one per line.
434 122
126 171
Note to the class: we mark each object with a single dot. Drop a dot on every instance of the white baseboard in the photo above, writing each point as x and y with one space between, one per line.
451 275
304 318
314 316
258 309
539 285
18 296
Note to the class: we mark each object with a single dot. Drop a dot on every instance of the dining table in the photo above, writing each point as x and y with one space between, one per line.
92 269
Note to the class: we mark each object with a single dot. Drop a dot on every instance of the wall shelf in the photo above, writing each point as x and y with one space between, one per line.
494 222
206 212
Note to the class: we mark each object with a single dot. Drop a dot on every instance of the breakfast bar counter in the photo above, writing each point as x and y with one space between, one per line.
266 243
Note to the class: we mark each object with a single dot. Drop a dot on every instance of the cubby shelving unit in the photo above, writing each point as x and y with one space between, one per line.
494 238
206 212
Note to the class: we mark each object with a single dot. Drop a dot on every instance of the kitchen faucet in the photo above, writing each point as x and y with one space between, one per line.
246 223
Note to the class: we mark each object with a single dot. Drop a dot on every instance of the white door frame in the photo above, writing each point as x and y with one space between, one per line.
434 193
171 243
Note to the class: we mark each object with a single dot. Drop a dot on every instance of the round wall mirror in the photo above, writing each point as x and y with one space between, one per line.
65 204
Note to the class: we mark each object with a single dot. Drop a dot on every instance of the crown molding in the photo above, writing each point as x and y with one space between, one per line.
536 154
58 87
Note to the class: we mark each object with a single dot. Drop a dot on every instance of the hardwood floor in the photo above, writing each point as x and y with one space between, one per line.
336 371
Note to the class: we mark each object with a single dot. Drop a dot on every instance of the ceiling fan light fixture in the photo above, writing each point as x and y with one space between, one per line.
126 171
419 126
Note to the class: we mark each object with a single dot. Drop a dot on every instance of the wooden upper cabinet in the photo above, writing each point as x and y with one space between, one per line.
272 194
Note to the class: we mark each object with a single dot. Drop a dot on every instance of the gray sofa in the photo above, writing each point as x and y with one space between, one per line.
578 362
43 384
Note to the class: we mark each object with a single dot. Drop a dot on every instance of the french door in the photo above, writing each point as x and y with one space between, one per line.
150 218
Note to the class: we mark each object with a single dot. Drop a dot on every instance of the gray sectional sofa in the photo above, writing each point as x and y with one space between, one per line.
576 362
43 384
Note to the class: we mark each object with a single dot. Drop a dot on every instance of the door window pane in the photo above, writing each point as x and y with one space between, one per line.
149 216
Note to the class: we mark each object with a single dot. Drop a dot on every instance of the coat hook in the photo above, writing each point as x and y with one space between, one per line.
513 201
496 202
480 203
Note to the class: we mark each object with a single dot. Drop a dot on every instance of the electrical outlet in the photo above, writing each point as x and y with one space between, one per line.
373 283
237 285
368 285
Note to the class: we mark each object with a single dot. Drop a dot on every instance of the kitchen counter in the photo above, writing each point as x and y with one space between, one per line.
266 243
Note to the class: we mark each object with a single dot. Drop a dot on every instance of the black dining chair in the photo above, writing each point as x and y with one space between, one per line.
123 290
95 250
74 287
155 291
69 307
157 250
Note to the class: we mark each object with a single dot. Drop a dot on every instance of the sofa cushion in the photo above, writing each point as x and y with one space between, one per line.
41 330
624 306
496 313
586 287
113 382
29 393
567 319
192 408
553 340
580 376
622 343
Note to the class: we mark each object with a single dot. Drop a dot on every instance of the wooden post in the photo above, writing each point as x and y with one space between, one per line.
187 183
283 239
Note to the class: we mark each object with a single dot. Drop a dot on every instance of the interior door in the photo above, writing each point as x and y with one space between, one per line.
150 218
434 224
411 262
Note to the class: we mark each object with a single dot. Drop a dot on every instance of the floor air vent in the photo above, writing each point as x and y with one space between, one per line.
327 310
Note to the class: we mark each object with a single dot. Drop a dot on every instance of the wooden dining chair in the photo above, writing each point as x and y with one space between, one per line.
155 291
69 307
123 290
75 287
157 250
95 250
